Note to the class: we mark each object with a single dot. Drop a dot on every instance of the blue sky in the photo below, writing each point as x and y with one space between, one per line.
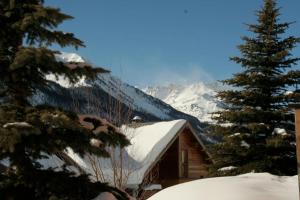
150 42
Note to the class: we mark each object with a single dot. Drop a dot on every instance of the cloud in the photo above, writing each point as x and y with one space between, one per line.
183 74
154 71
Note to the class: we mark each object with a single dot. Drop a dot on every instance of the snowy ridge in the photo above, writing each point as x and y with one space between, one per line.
125 93
130 95
64 82
196 99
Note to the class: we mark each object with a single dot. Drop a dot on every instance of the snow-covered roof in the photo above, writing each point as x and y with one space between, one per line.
147 143
251 186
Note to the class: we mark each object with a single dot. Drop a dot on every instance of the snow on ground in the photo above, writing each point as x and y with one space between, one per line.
251 186
105 196
109 196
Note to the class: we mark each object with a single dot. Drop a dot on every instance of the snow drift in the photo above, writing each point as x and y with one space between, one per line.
251 186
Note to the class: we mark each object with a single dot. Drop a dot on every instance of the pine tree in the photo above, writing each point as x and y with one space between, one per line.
29 133
257 128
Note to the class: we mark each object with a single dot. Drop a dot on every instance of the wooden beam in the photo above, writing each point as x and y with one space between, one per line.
296 106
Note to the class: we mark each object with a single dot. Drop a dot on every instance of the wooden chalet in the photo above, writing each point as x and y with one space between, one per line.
161 154
181 158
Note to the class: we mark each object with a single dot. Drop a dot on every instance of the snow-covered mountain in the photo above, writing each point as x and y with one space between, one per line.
197 99
110 98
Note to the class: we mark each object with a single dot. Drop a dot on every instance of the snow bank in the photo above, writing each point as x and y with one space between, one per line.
251 186
105 196
109 196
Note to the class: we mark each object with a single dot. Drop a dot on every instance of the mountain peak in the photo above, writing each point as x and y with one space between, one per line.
197 99
66 57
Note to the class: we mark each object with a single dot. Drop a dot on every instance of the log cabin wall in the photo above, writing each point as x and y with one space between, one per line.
192 158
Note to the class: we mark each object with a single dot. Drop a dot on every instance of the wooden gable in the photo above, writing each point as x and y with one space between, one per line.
193 159
184 159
